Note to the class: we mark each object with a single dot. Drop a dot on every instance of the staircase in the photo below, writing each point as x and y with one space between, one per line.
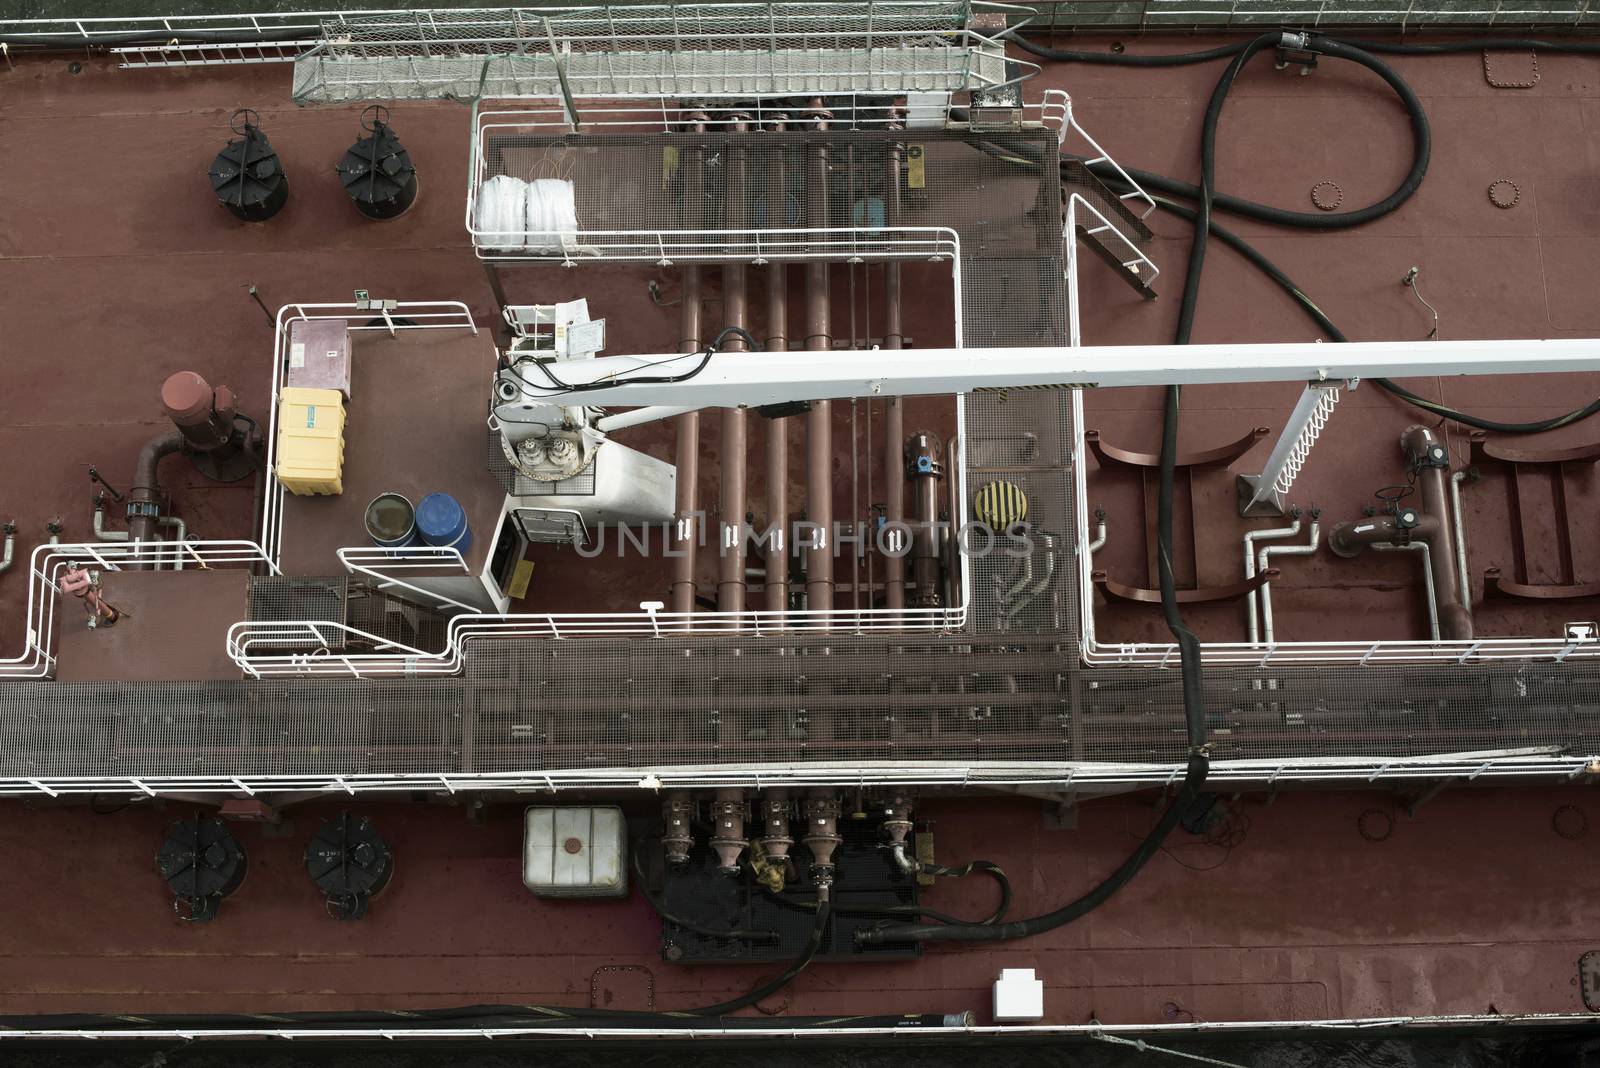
1107 226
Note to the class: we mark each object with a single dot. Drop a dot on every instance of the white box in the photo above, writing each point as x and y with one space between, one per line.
1018 996
578 851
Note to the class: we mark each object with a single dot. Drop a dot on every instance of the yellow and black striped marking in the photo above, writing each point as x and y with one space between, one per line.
1001 504
1023 389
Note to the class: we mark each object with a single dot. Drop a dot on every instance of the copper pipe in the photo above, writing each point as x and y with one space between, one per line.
894 472
1429 524
735 313
1428 456
144 496
777 552
922 463
686 530
819 421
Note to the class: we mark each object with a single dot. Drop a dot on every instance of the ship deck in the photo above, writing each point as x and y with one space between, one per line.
109 283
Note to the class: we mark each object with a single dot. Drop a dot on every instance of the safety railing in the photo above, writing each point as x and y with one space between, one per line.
667 247
321 647
1288 653
316 647
1111 236
1056 108
682 50
173 53
1531 764
111 29
1070 16
45 596
387 568
418 315
852 109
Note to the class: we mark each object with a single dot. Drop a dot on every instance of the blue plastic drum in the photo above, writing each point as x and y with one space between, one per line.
442 521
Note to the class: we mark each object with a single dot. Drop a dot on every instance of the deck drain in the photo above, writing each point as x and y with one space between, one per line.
1375 824
1504 193
1327 195
1570 822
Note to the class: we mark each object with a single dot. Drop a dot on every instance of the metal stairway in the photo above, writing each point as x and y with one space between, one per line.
1112 230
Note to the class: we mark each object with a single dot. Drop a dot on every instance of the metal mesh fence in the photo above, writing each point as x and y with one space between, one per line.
360 606
1024 579
703 197
644 50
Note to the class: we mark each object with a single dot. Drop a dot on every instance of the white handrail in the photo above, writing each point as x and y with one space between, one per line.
48 562
380 562
1059 100
425 315
1533 763
1095 653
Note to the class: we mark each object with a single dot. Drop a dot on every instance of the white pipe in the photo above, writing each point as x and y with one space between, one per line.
1427 578
622 420
173 521
1250 539
11 546
1099 541
1458 521
1307 549
753 379
100 530
181 538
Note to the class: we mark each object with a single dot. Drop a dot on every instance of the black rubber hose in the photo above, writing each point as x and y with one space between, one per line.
478 1018
1422 152
1445 48
1194 778
819 929
1123 59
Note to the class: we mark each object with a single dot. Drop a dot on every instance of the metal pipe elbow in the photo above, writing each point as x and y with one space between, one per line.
151 453
1348 539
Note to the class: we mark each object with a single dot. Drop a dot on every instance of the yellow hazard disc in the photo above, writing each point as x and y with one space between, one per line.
1002 505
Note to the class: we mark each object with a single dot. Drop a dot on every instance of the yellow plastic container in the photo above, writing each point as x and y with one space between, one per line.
311 440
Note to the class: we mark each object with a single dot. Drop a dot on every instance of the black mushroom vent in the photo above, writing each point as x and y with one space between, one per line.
350 863
247 176
202 863
377 171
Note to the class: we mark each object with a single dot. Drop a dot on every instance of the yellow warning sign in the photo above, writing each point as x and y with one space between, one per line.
916 168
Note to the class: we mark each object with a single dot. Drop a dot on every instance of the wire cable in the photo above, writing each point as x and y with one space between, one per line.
566 388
